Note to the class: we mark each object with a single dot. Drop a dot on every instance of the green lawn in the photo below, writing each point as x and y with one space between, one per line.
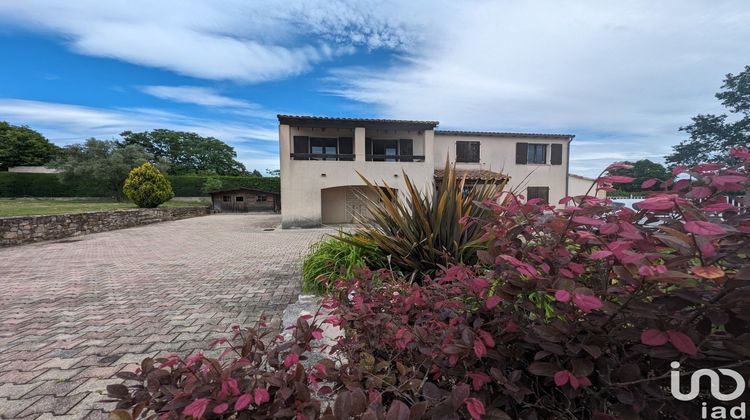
33 207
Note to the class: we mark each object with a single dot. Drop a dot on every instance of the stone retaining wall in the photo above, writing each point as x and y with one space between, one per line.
26 229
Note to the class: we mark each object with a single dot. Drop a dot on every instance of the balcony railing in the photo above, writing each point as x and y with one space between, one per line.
395 158
322 156
350 157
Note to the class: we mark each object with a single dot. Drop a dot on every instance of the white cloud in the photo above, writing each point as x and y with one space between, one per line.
635 71
196 95
64 123
221 40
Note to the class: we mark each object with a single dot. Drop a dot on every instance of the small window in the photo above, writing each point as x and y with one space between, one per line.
467 151
261 198
239 198
538 192
225 198
537 153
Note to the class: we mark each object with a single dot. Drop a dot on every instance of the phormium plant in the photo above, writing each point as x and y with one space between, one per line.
420 230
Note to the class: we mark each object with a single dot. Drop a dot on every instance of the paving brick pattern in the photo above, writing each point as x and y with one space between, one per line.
76 311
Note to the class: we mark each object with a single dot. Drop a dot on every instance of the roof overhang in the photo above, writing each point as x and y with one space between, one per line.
315 121
567 137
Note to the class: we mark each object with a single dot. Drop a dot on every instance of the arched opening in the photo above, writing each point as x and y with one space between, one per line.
347 204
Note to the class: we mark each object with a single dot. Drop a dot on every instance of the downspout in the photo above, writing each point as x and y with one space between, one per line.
567 168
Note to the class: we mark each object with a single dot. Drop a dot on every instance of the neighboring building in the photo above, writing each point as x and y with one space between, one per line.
243 200
581 185
322 159
34 169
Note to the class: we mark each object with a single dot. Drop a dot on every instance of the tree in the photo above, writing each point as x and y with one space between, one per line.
187 153
642 170
212 184
22 146
273 172
712 136
256 173
147 187
104 161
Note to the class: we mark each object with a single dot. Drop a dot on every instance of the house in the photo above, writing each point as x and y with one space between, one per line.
582 185
322 156
243 200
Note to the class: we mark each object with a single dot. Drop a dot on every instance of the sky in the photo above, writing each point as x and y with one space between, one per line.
621 76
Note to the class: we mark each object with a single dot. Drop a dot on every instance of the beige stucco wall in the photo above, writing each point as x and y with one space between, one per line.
499 154
303 180
579 186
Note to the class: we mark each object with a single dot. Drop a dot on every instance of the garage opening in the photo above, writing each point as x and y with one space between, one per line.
340 205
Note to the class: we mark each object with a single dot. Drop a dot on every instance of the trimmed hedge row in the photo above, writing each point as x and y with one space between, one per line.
14 184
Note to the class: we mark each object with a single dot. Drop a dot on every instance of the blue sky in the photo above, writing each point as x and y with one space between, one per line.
622 76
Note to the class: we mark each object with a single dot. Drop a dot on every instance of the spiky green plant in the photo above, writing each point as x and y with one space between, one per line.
331 259
419 231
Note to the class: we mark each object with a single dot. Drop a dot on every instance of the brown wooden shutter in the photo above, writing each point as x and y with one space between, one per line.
556 158
522 150
406 148
474 148
301 145
346 147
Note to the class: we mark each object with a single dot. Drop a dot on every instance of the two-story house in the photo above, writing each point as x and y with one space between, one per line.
321 158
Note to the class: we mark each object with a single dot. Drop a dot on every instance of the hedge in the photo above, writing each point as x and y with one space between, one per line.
15 184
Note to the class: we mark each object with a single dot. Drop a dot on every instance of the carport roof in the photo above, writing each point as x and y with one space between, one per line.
242 189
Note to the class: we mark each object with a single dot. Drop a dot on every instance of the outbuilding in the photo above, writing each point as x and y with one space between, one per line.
243 200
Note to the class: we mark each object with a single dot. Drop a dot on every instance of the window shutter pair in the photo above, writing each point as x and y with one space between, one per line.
467 151
522 150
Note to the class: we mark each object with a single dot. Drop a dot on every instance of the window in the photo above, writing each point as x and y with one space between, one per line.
225 198
261 198
323 146
537 153
390 150
239 198
467 151
537 192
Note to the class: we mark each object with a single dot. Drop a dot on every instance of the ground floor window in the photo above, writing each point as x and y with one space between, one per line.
239 198
538 192
261 198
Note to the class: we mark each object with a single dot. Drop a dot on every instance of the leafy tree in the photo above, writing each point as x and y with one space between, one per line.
711 136
212 184
642 170
147 187
22 146
273 172
256 173
102 160
187 153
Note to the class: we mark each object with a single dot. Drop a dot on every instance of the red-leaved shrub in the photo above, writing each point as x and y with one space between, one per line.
573 312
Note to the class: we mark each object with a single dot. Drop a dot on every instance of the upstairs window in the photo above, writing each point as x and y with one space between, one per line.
467 151
537 153
319 147
322 148
389 150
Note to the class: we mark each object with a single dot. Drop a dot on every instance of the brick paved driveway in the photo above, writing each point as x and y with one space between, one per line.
72 313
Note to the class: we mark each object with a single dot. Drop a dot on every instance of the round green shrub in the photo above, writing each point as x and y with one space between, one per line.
147 187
